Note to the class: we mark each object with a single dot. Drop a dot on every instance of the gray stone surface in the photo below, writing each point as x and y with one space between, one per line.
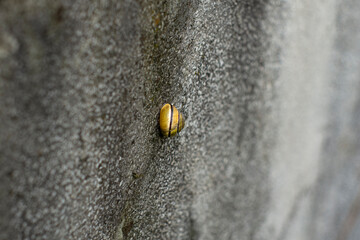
269 90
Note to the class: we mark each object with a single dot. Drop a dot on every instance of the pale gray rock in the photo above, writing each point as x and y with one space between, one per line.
269 90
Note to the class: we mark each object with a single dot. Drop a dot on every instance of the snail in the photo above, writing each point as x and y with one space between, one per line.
171 120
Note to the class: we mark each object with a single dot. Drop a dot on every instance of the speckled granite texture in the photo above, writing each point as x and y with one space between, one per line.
269 90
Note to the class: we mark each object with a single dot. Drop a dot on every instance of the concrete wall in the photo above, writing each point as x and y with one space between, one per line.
269 90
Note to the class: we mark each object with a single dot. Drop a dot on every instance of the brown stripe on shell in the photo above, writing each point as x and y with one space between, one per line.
171 119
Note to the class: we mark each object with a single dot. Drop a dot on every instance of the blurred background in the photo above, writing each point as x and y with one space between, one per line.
269 90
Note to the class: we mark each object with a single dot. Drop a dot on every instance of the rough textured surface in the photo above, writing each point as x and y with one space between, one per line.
269 90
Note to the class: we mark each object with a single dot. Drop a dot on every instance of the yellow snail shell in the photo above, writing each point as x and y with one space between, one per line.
171 120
